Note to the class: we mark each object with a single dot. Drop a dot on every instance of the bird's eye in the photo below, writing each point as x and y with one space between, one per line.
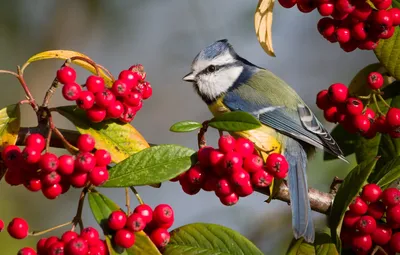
211 68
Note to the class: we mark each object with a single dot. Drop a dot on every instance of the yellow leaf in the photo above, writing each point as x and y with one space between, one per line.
67 54
9 124
263 25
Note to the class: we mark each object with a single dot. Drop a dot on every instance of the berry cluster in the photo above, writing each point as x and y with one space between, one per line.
353 23
353 115
373 219
51 174
87 243
232 171
155 223
122 101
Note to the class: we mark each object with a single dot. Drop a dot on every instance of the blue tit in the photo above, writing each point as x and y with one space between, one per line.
227 82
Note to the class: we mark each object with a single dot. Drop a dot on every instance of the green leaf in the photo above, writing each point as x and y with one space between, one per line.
382 145
102 207
349 189
324 245
345 140
185 126
388 173
121 140
300 247
235 122
388 52
204 238
152 165
10 120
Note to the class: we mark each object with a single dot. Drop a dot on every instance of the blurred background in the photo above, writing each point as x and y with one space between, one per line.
164 36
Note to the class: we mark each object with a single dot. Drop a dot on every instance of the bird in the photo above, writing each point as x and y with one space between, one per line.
227 82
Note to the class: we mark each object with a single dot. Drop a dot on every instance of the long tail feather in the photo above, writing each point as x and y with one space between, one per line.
302 222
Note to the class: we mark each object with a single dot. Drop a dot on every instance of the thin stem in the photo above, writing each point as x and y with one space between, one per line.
25 101
364 97
21 80
137 195
78 217
67 145
107 72
89 61
48 139
201 139
9 72
38 233
335 185
127 201
384 101
377 106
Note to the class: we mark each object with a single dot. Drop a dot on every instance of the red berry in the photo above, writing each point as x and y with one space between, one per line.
85 161
381 235
261 179
380 124
133 98
56 248
66 74
368 44
326 9
135 222
120 88
287 3
160 237
244 146
85 143
77 246
96 114
395 242
50 178
189 188
232 161
393 117
375 80
68 236
395 12
203 156
226 143
371 193
359 32
240 178
210 183
78 179
376 210
124 238
27 251
98 175
224 187
40 246
35 141
129 77
163 213
382 18
253 163
216 158
393 214
53 191
387 33
354 106
350 219
66 164
326 27
85 100
370 114
48 162
71 91
366 225
65 185
343 35
362 243
18 228
90 235
323 101
128 115
103 157
1 225
117 220
115 110
229 200
349 46
344 6
94 84
31 155
101 247
306 6
244 189
331 114
11 154
361 123
358 206
145 211
338 93
147 91
50 241
196 175
391 197
104 98
362 11
14 176
277 165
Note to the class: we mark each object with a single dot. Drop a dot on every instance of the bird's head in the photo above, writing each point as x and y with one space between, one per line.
215 70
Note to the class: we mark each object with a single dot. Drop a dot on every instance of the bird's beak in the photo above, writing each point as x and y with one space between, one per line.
189 77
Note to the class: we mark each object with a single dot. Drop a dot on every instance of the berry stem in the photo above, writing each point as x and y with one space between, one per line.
364 97
107 72
335 185
38 233
78 217
384 101
377 106
89 61
137 195
201 140
127 201
72 149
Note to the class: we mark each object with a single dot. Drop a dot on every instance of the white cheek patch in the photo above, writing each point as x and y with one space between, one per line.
214 84
222 59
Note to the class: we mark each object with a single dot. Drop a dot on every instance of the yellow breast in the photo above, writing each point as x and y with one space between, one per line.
264 138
